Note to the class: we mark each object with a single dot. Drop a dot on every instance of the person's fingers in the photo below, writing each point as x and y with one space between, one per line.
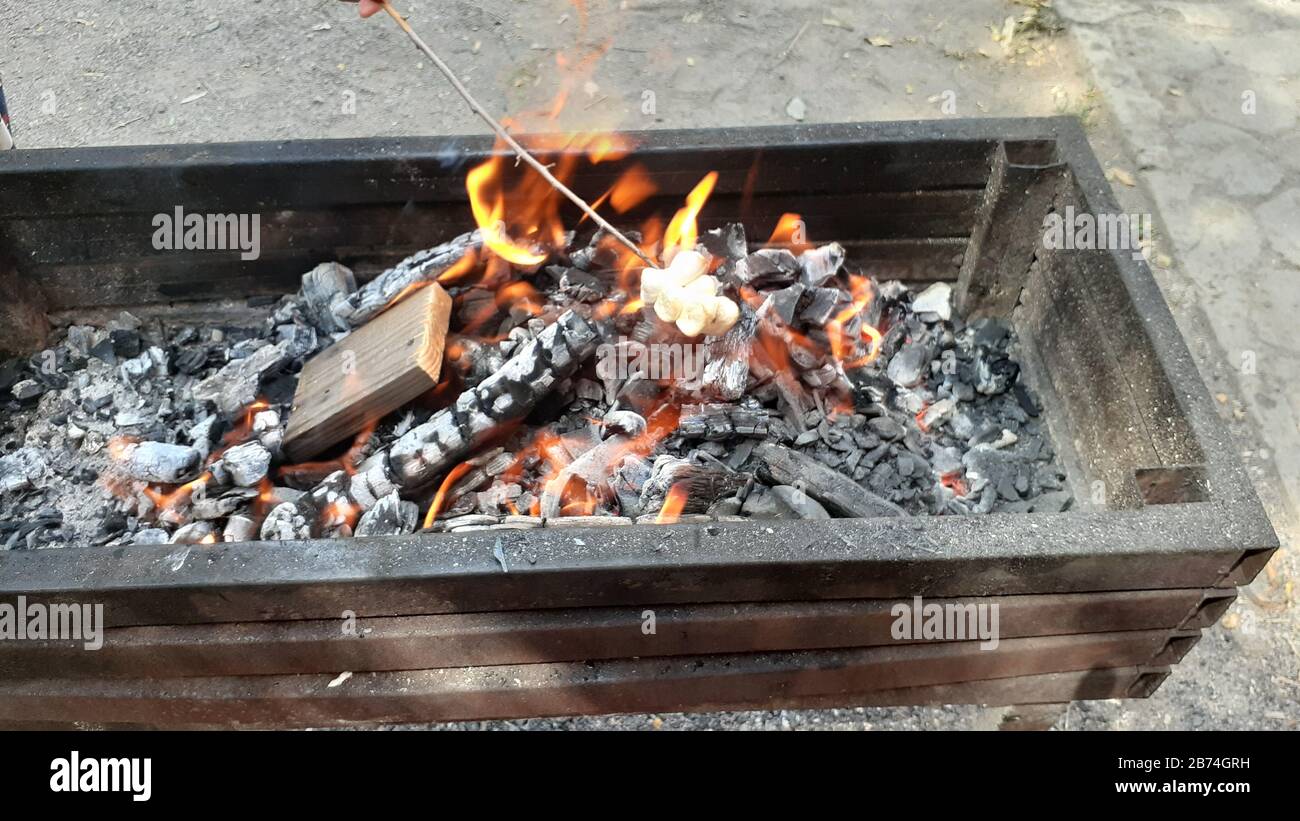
369 7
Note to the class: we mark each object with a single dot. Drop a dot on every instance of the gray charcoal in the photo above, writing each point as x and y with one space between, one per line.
27 389
803 505
837 492
820 264
192 533
763 504
246 464
324 287
150 535
937 299
299 341
366 302
819 305
158 461
237 385
911 364
288 522
391 516
936 414
785 302
886 428
191 360
218 507
627 422
765 267
239 529
728 241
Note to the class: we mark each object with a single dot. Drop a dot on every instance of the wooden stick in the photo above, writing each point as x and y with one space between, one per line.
509 140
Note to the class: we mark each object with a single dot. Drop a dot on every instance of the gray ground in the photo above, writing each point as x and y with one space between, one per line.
1193 105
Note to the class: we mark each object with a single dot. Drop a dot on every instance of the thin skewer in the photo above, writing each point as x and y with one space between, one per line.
510 141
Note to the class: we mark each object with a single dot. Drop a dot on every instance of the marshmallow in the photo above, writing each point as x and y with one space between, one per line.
685 294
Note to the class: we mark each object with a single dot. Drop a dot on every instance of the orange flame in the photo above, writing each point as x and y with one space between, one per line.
790 232
844 348
440 498
674 503
315 471
340 512
682 232
487 201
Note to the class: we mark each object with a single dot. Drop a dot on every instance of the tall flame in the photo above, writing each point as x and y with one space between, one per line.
682 233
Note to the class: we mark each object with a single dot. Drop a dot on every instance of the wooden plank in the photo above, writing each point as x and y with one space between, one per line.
422 574
285 174
637 685
1008 231
375 370
530 637
23 323
1104 683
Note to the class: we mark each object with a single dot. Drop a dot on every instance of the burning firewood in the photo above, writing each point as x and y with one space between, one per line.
427 451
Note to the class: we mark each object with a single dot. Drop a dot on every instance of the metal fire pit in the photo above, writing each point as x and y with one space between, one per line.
1096 602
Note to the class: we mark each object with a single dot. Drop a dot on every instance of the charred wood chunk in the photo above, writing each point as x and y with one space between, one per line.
290 521
366 302
702 484
236 385
765 267
727 242
324 287
715 422
726 369
389 517
587 476
840 494
819 305
817 265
